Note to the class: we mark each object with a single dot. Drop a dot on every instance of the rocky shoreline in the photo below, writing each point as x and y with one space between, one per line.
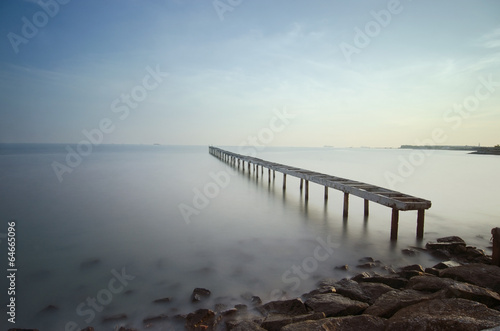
460 293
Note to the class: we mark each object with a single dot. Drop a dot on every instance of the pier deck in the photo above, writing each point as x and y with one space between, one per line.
392 199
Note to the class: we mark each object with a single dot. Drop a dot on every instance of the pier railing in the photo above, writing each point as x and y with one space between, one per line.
392 199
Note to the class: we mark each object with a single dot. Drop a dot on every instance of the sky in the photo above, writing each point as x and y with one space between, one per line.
232 72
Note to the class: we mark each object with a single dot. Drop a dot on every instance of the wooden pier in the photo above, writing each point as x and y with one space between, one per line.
392 199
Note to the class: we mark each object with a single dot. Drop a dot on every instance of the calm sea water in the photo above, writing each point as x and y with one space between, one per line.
118 213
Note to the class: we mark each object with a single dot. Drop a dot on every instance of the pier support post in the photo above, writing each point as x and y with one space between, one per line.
420 223
257 171
269 174
495 232
346 204
307 190
326 192
284 182
274 174
367 207
394 224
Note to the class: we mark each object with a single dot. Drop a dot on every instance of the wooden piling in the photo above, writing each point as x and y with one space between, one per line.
326 192
301 181
346 204
284 182
367 206
495 232
394 224
420 223
307 190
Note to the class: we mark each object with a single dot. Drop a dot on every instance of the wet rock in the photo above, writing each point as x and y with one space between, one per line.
247 326
390 280
32 329
113 318
366 259
361 276
155 319
292 307
89 263
278 321
255 300
374 290
409 252
455 289
388 269
162 300
321 290
367 265
451 239
432 271
411 271
241 306
327 282
351 289
446 265
200 294
389 303
335 305
344 267
478 274
202 319
349 323
450 247
86 329
126 329
444 314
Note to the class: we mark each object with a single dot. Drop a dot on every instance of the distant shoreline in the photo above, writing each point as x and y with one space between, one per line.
472 149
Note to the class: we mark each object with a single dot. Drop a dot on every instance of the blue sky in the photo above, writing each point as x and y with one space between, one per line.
227 77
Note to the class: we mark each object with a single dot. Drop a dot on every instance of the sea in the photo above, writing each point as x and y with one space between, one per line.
102 232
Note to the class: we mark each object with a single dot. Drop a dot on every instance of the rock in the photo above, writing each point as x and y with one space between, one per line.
389 303
432 271
410 273
255 300
446 264
361 276
92 329
247 326
328 282
342 267
392 281
335 305
388 269
202 319
374 290
413 267
367 265
444 314
450 247
276 322
451 239
351 289
162 300
200 294
291 307
122 328
349 323
89 328
455 289
113 318
366 259
241 307
409 252
478 274
321 290
157 318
